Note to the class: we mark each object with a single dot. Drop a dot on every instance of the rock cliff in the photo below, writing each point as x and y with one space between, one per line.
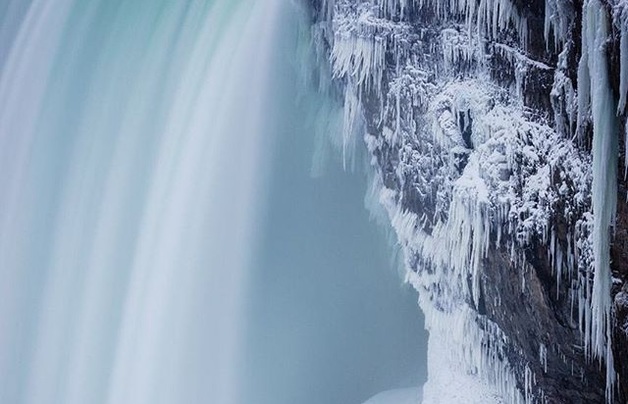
496 133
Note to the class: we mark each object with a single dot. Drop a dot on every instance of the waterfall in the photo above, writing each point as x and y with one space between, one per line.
133 146
162 238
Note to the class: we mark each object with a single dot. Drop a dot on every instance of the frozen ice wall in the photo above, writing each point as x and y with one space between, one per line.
492 127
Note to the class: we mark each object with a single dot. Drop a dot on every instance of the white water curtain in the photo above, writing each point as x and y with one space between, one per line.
132 151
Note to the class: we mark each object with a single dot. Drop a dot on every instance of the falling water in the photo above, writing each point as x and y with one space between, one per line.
133 146
136 142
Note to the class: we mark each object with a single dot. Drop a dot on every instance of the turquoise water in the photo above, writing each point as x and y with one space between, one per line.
161 238
329 320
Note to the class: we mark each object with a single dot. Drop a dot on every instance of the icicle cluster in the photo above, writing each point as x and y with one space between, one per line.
440 92
595 32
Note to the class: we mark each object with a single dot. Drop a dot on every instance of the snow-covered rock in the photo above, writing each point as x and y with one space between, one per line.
492 128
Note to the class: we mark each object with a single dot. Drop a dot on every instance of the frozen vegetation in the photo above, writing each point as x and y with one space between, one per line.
494 149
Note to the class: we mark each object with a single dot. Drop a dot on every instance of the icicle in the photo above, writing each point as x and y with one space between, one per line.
359 52
584 80
623 79
559 270
488 17
626 153
351 123
528 383
328 9
446 263
548 22
623 58
543 356
604 190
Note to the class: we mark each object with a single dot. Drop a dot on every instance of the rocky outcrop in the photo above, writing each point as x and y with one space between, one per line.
490 132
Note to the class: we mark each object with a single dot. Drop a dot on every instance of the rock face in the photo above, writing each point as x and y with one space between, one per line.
493 129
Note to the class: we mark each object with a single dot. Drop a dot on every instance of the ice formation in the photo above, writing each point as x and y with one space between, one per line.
472 163
595 33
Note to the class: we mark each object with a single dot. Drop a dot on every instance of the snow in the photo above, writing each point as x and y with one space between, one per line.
397 396
461 166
